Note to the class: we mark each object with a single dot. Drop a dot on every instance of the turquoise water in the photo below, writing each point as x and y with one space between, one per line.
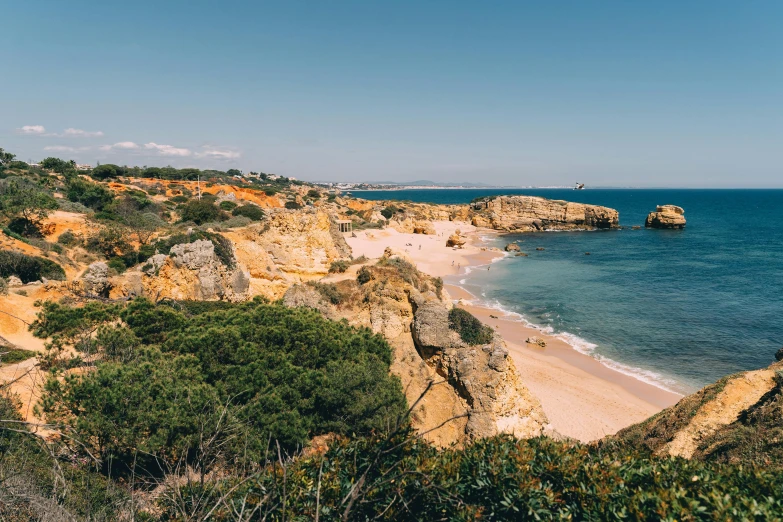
677 308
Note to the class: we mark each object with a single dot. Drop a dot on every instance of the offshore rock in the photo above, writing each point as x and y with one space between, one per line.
531 214
667 217
512 247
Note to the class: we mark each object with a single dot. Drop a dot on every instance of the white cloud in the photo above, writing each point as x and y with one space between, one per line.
32 129
218 153
63 148
124 145
168 150
79 133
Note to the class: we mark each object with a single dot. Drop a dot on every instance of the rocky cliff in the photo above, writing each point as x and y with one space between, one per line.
461 392
265 259
530 214
737 419
666 216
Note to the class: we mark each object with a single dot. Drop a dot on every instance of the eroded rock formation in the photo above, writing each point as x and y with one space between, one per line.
666 216
530 214
468 392
267 258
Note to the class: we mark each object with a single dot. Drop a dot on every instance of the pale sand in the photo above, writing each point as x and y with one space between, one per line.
583 398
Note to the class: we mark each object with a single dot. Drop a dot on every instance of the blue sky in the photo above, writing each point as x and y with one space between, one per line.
517 93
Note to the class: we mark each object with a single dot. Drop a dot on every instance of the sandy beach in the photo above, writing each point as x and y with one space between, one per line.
583 398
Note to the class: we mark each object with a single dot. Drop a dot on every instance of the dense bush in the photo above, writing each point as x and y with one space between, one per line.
292 205
364 275
200 212
390 210
403 478
92 195
227 205
67 238
106 171
339 266
29 268
283 373
471 330
328 290
253 212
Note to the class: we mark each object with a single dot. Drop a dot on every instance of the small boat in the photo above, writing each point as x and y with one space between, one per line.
579 186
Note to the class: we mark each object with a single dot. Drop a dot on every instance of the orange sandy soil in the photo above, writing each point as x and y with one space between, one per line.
173 188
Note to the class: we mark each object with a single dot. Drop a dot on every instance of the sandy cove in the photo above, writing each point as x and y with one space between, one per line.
583 398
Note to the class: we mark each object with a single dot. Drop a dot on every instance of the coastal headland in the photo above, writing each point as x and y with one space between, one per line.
582 398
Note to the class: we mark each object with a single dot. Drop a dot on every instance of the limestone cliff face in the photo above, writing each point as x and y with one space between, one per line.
483 376
192 271
530 213
469 392
737 419
289 247
666 216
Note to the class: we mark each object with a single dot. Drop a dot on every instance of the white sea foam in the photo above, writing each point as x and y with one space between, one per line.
579 344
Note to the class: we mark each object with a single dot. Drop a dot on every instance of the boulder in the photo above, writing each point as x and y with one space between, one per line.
666 217
424 227
14 281
520 254
512 247
95 280
456 240
779 355
536 340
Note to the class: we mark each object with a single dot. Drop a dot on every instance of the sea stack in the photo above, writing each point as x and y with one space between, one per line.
666 216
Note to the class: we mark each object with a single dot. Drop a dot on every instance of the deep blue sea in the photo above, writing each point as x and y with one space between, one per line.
677 308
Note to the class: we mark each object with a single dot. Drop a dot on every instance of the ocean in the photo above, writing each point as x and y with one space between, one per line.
678 309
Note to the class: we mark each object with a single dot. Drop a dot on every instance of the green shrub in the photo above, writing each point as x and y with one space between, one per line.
292 205
363 275
329 291
288 374
15 355
106 171
313 194
501 478
237 222
180 199
200 212
471 330
270 191
92 195
118 264
390 210
109 241
72 206
227 205
339 266
29 268
3 286
253 212
67 238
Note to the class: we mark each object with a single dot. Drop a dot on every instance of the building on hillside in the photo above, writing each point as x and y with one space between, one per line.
83 167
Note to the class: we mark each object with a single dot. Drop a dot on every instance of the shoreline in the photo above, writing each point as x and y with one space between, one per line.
583 398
